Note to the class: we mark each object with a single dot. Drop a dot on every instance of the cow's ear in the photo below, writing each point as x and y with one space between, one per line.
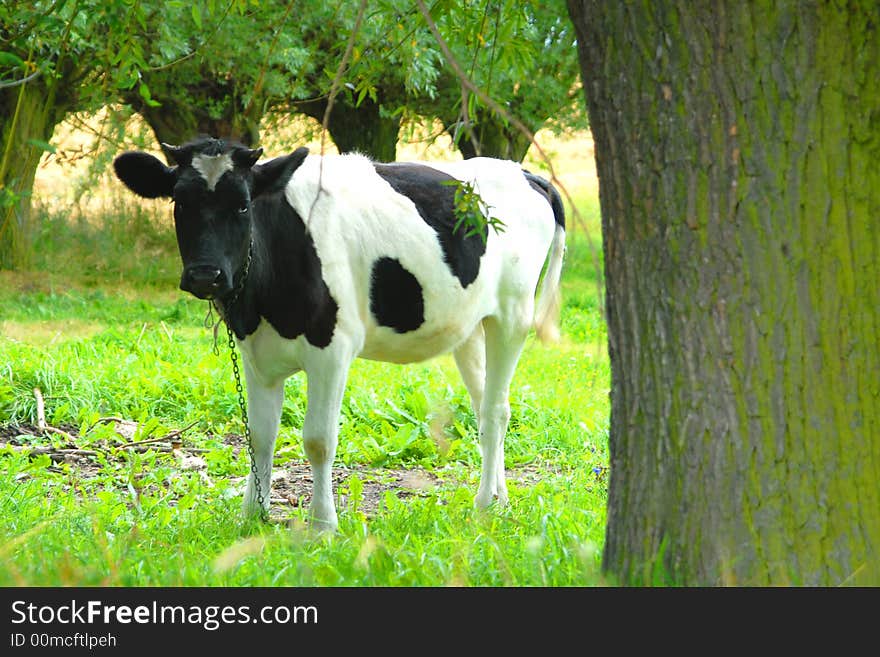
179 155
246 157
145 174
274 175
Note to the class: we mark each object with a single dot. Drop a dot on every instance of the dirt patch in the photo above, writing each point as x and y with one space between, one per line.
292 485
291 481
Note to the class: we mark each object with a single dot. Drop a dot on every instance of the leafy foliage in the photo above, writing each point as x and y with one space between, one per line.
471 211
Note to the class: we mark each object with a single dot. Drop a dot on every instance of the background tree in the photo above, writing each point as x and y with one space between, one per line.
523 55
224 68
393 61
50 64
288 63
217 69
737 148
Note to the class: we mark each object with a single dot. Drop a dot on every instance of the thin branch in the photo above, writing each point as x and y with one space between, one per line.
25 80
195 50
82 125
340 70
62 454
493 105
41 418
58 454
168 436
258 85
28 28
104 420
474 89
334 91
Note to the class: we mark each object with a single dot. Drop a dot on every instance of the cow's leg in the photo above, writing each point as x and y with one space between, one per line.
264 416
470 357
504 343
326 385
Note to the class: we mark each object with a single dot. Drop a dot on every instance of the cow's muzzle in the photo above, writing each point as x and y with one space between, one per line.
203 281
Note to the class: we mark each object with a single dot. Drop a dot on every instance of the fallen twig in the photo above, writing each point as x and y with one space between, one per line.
168 436
54 454
104 420
42 425
31 450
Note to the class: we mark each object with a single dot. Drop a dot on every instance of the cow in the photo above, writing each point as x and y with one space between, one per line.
316 260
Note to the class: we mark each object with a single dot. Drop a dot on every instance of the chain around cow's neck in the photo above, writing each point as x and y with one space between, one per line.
213 324
236 372
237 290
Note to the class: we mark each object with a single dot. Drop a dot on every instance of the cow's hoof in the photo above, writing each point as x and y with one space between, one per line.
253 511
323 527
487 498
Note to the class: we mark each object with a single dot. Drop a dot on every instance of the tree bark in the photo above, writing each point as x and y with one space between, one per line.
489 136
176 123
196 103
27 112
737 146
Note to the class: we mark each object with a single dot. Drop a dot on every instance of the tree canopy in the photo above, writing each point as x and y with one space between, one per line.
225 67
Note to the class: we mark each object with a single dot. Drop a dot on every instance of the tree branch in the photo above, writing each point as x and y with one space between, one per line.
25 80
195 50
258 85
331 98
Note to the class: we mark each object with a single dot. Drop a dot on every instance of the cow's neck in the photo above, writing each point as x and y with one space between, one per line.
284 284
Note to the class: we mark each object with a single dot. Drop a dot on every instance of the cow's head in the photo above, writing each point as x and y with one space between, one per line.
213 185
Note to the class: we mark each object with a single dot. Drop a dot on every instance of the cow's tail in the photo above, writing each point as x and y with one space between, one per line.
546 320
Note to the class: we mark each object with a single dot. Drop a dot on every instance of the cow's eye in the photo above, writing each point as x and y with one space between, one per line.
243 209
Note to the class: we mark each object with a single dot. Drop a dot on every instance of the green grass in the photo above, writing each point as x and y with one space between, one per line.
101 330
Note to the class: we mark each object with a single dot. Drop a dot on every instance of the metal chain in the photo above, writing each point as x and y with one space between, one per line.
242 404
236 372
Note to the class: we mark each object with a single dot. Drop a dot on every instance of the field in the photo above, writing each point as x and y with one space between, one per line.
133 475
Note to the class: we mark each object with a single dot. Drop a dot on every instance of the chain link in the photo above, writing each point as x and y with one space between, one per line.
242 404
239 389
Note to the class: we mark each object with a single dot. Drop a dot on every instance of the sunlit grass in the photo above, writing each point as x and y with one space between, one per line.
119 340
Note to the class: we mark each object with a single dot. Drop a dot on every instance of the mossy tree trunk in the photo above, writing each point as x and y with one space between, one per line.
28 116
738 151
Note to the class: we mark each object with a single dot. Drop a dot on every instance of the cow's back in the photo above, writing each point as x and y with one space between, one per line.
400 290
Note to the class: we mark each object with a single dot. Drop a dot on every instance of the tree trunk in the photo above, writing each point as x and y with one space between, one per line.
737 145
490 137
359 128
188 111
26 113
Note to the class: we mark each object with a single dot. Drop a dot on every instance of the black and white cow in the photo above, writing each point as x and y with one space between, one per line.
315 261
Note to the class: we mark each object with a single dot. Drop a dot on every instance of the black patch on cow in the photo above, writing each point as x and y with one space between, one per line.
396 296
435 204
548 191
284 283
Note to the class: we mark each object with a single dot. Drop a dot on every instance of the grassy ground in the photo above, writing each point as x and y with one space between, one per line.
100 329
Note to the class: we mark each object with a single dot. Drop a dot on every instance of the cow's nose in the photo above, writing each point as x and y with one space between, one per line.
201 280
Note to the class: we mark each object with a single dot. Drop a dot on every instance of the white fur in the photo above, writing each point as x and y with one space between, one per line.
212 167
357 217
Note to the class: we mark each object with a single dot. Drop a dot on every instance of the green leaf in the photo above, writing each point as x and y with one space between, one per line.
144 91
356 491
42 145
10 59
197 16
363 94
